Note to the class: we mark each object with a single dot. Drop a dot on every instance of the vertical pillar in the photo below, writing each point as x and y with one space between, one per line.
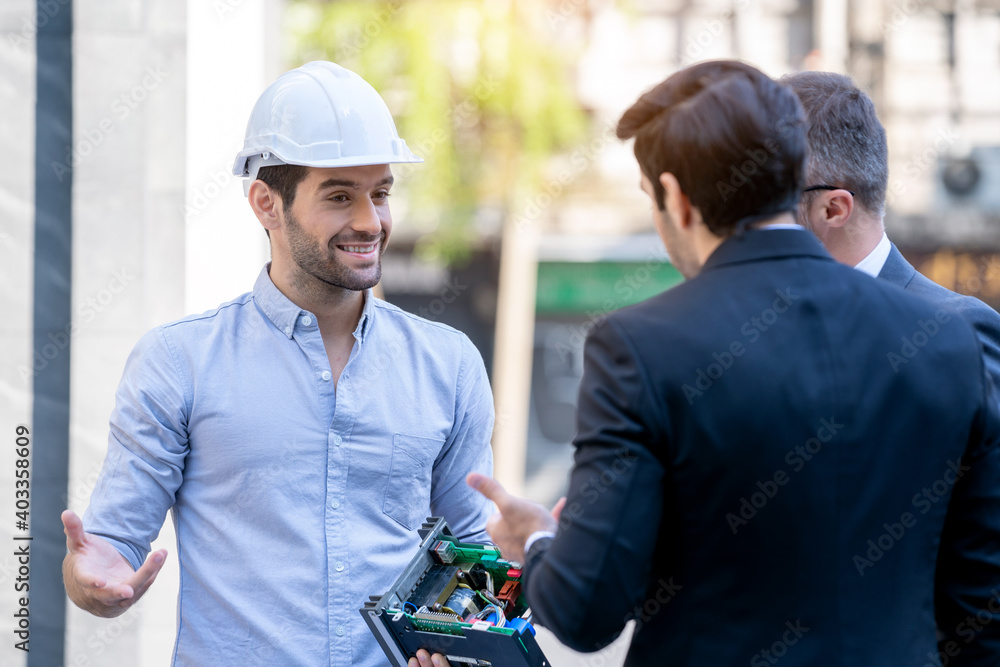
512 353
52 321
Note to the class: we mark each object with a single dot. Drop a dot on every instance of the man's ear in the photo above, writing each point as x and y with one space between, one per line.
677 204
835 207
266 205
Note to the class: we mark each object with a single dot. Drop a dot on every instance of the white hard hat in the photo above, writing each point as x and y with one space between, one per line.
319 115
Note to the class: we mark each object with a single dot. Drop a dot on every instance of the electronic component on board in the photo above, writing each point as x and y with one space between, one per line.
510 591
460 599
443 551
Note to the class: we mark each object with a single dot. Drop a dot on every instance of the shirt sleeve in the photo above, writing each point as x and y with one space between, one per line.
147 446
967 587
597 568
466 450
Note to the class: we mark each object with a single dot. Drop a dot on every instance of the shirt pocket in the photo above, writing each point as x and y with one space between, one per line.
408 490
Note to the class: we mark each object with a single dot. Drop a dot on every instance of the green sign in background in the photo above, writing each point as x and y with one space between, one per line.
567 288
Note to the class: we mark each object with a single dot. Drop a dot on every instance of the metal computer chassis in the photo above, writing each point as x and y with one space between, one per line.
401 633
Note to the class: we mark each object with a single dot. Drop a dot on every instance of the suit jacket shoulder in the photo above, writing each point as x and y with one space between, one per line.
984 319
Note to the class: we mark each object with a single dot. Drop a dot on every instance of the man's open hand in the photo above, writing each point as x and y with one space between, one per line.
517 519
97 578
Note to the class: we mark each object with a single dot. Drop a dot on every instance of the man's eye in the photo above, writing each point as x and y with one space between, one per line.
338 198
381 194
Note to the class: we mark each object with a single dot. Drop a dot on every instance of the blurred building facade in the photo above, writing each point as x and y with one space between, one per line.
931 66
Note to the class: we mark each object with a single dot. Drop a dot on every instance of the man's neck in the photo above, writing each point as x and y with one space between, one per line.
854 241
337 310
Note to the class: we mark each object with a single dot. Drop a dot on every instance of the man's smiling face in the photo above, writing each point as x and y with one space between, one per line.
339 224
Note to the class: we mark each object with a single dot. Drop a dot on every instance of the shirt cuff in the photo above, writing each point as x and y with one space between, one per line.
534 537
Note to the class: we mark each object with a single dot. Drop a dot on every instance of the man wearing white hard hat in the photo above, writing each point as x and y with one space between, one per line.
300 433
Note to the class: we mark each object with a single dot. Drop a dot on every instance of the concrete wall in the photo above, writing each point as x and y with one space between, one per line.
128 256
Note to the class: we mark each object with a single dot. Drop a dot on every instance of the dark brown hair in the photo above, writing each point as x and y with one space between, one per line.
283 179
733 137
847 144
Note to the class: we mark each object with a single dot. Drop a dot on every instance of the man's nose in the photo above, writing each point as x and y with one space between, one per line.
367 218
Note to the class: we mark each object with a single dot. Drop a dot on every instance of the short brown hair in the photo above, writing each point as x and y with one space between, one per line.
733 137
847 144
283 179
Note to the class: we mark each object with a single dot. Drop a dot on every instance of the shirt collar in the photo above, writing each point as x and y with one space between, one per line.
761 245
285 315
781 225
873 263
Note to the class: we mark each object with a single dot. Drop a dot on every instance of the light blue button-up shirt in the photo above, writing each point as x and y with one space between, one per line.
293 500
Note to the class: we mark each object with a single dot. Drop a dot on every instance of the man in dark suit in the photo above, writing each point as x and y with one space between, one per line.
847 177
779 459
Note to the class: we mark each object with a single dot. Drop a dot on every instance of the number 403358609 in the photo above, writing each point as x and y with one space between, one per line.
22 485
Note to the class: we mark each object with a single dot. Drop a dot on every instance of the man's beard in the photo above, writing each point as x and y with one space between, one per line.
323 264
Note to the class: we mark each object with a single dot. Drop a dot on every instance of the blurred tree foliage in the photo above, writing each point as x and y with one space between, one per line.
476 89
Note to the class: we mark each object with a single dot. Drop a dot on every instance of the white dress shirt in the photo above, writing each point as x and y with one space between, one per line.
873 263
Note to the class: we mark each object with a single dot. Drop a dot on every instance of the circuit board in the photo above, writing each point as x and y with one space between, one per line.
460 599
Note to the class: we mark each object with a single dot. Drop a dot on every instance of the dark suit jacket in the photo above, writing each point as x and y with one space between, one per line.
984 319
780 459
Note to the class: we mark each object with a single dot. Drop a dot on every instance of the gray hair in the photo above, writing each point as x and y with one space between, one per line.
847 145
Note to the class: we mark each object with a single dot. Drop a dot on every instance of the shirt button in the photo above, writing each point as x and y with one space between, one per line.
306 321
288 330
326 375
340 567
335 504
337 440
340 631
